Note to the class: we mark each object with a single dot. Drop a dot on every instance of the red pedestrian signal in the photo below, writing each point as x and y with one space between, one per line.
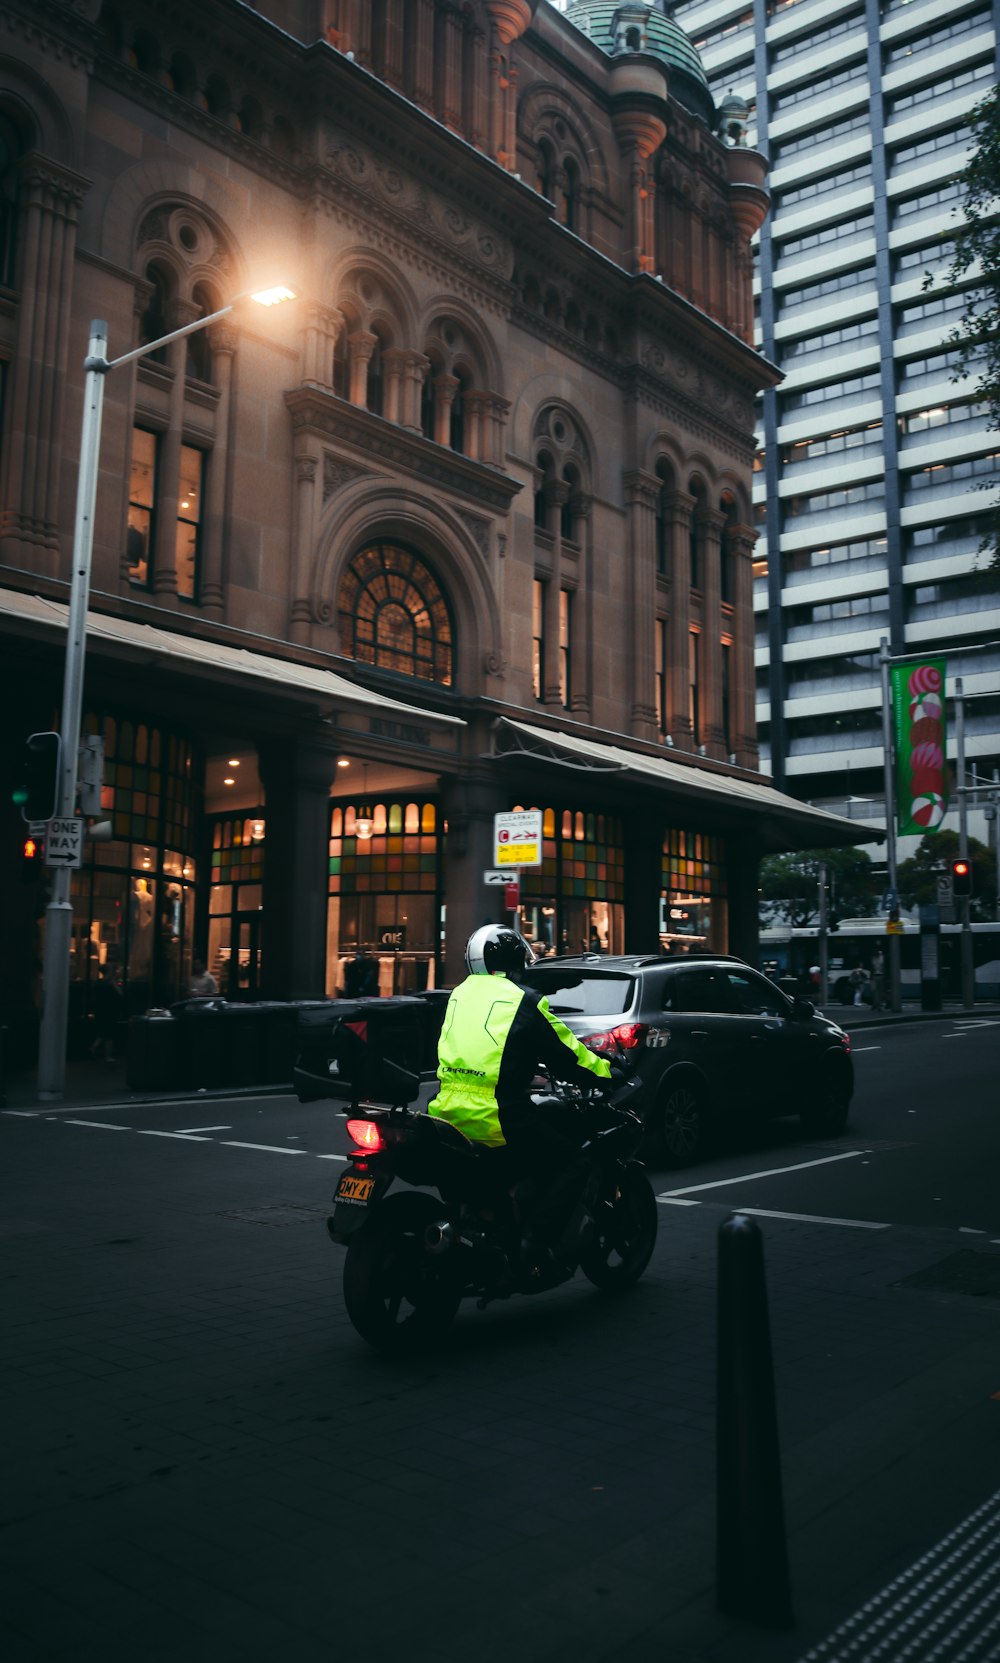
961 878
32 859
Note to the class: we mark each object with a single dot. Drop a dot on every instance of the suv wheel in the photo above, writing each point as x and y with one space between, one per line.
682 1130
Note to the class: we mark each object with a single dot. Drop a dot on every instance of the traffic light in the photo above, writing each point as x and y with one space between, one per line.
32 859
961 878
37 793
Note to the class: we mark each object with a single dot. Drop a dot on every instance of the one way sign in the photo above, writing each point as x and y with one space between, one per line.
64 843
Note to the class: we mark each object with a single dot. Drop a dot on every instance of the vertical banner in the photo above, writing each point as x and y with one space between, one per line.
919 735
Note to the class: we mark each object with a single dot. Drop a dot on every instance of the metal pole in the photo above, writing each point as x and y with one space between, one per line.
59 912
895 989
968 967
823 937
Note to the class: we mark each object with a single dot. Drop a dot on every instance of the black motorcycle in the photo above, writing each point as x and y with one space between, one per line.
413 1256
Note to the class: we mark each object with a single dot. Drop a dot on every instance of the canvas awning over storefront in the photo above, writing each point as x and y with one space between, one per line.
210 660
781 822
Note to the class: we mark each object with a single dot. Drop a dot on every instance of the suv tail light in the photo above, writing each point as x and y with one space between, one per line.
366 1135
627 1037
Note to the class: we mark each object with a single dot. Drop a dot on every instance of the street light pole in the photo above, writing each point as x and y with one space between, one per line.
893 955
59 912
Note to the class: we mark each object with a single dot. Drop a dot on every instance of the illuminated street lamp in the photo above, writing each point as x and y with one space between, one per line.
59 912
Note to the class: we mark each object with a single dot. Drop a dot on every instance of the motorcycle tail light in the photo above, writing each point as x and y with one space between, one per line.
627 1037
366 1135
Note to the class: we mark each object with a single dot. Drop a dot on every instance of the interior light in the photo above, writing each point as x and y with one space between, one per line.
229 780
257 830
343 762
234 762
364 820
273 296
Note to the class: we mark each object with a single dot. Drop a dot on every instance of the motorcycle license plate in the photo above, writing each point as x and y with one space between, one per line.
354 1189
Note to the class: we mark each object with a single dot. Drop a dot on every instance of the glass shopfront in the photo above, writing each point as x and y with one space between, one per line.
574 902
133 899
385 892
694 916
235 903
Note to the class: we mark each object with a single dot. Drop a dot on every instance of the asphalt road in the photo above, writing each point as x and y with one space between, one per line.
203 1461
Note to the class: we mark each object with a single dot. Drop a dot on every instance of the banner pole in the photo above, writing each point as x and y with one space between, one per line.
893 955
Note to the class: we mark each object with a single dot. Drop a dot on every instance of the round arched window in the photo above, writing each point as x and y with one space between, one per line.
394 615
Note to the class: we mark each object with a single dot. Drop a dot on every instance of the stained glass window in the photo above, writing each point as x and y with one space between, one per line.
394 615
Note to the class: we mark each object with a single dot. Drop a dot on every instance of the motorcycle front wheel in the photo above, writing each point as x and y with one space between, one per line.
625 1232
397 1294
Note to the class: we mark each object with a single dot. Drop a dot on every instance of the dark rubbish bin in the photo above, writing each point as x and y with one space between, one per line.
241 1042
153 1059
201 1043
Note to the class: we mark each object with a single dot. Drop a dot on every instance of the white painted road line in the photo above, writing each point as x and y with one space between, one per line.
185 1137
323 1157
772 1172
676 1201
189 1131
269 1148
814 1218
102 1125
856 1050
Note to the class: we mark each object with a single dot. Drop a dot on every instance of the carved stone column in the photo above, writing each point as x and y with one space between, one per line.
713 733
415 367
223 343
743 691
477 440
305 516
499 411
641 496
169 458
34 419
445 388
450 69
362 345
394 365
323 327
421 67
677 512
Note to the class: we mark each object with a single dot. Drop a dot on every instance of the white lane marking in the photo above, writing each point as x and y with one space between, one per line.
184 1137
676 1201
976 1022
102 1125
960 1033
188 1131
23 1114
772 1172
815 1218
322 1157
967 1230
270 1148
856 1050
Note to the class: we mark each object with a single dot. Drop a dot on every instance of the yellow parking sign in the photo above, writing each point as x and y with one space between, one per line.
517 838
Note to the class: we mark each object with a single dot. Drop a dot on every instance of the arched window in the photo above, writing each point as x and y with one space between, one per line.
662 523
394 615
545 470
199 350
728 507
571 197
375 397
10 151
154 318
545 181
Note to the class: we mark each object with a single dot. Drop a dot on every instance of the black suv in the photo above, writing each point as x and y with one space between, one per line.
715 1042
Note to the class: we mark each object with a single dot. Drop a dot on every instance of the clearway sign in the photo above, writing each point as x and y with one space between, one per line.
64 843
517 838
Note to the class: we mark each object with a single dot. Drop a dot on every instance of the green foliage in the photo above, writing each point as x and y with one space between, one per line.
977 242
917 877
789 886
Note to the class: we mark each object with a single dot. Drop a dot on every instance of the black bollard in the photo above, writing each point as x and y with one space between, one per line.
751 1551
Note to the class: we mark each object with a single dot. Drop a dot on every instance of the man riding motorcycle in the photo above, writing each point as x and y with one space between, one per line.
494 1037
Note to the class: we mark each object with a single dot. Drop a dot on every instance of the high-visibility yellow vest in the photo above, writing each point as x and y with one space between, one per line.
476 1025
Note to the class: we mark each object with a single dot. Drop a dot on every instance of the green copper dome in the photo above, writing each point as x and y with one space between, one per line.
615 26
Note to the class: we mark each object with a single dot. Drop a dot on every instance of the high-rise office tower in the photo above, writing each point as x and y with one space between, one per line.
873 458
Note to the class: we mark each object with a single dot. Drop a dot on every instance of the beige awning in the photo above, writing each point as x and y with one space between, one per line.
213 660
782 821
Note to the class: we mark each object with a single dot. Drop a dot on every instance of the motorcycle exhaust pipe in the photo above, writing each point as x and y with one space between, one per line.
439 1238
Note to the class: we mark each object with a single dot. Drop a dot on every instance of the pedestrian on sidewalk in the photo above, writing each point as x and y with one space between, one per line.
107 1014
878 979
861 983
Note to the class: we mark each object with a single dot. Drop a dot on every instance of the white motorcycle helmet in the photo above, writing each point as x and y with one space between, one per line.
495 947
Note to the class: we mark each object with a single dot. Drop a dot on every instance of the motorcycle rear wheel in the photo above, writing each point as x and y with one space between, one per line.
397 1295
623 1243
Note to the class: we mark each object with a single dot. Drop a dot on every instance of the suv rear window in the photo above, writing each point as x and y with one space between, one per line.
588 995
